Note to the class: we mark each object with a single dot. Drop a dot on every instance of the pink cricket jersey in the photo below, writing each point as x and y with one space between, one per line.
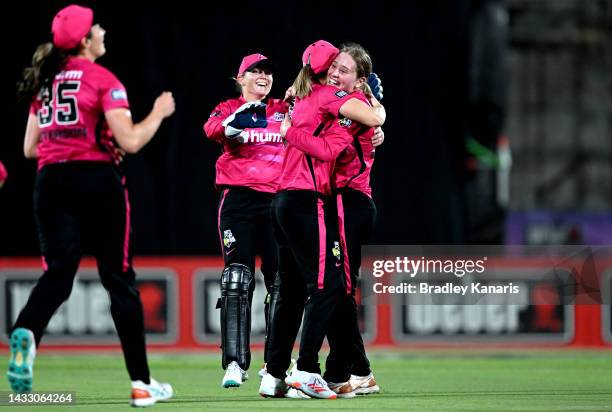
72 124
354 165
310 160
255 164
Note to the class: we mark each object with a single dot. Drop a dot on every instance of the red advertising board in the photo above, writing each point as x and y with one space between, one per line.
179 297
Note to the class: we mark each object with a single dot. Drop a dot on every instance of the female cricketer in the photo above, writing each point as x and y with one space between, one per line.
350 72
248 173
309 266
79 112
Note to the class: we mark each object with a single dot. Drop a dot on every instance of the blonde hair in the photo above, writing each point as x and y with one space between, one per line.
302 85
303 82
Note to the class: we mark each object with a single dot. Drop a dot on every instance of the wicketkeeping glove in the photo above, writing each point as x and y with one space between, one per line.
375 85
249 115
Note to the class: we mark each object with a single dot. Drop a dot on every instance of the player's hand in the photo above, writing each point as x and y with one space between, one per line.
289 94
379 137
375 85
285 125
249 115
164 104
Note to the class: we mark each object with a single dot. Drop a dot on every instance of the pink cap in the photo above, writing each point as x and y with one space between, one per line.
3 173
70 25
252 60
319 55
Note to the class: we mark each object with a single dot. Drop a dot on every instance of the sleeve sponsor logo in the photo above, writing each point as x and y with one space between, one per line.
341 93
118 94
215 113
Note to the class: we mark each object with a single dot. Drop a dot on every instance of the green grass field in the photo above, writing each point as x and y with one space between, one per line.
429 380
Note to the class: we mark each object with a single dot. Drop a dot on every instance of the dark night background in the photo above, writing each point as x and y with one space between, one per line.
420 50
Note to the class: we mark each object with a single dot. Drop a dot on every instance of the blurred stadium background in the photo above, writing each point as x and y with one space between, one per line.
499 132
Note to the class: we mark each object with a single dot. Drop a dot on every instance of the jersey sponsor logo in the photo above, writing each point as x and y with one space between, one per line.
215 113
118 94
253 136
344 122
278 117
69 75
228 238
341 93
336 250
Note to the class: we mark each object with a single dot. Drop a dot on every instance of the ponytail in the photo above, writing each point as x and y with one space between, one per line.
47 61
303 82
302 85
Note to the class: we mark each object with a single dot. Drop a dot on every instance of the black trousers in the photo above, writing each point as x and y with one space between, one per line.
245 231
359 213
83 207
311 279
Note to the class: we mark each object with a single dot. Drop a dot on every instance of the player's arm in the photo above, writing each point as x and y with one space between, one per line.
213 128
32 138
357 110
330 143
251 115
133 137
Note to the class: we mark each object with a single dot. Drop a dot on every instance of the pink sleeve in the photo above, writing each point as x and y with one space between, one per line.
335 101
112 93
213 128
330 143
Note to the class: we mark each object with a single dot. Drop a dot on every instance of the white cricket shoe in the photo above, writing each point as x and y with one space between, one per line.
311 384
234 376
272 387
364 385
147 395
293 393
342 389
